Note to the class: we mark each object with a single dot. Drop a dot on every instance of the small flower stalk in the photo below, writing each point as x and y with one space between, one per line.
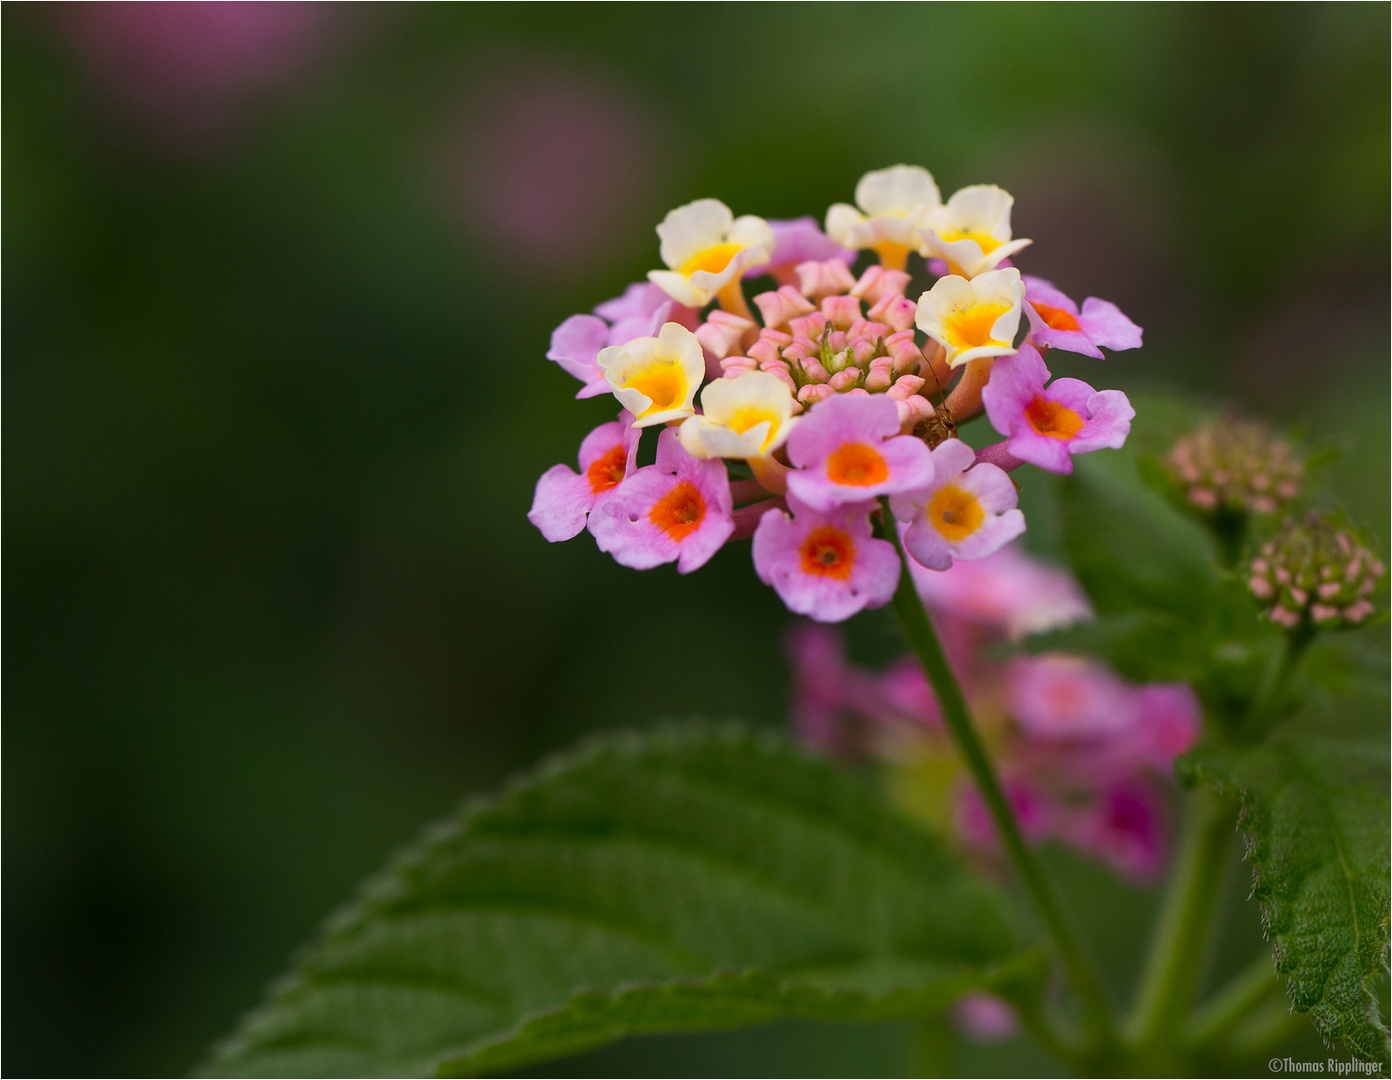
788 415
1315 573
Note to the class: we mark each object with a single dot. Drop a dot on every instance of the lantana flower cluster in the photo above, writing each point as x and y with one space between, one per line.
791 421
1084 755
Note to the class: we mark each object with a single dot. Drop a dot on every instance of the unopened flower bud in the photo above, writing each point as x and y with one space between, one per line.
895 311
819 279
1236 465
723 334
877 282
1316 571
841 311
777 308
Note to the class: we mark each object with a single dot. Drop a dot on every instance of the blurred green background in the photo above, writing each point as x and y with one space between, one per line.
278 292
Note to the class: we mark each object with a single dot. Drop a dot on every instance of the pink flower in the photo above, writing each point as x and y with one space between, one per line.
832 699
640 312
1069 697
966 513
1009 591
844 708
1035 809
564 498
985 1018
1168 722
1055 322
799 240
678 509
825 565
848 450
1124 826
1047 426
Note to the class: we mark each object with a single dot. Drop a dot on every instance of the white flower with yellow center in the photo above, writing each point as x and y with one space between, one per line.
892 203
745 417
656 378
707 249
971 233
973 318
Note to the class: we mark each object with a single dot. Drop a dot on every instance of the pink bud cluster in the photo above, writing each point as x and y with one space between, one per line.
1083 754
1236 465
818 342
1314 570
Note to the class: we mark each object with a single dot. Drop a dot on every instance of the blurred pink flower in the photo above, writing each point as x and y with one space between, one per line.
1011 592
548 167
1124 827
191 71
837 705
985 1018
1069 697
1082 753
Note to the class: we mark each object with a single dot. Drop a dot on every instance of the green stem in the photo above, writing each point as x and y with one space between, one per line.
1275 1023
1234 1003
1172 968
1277 678
923 639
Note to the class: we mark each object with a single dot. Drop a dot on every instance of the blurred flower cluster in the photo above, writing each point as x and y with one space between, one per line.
840 393
1084 755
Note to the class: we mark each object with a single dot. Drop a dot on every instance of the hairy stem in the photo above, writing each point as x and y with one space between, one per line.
1181 931
923 639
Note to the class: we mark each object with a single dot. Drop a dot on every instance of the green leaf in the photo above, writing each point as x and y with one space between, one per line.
1129 547
692 878
1315 813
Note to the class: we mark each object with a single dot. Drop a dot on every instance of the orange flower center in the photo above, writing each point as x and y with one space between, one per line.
712 260
1052 419
828 552
955 513
858 465
607 470
679 512
1057 318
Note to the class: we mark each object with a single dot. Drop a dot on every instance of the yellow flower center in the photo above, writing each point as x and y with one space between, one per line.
713 260
892 256
858 465
969 328
679 512
955 513
828 552
662 383
986 242
1052 419
746 417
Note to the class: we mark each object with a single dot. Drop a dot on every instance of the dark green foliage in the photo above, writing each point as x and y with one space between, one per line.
1315 813
691 879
